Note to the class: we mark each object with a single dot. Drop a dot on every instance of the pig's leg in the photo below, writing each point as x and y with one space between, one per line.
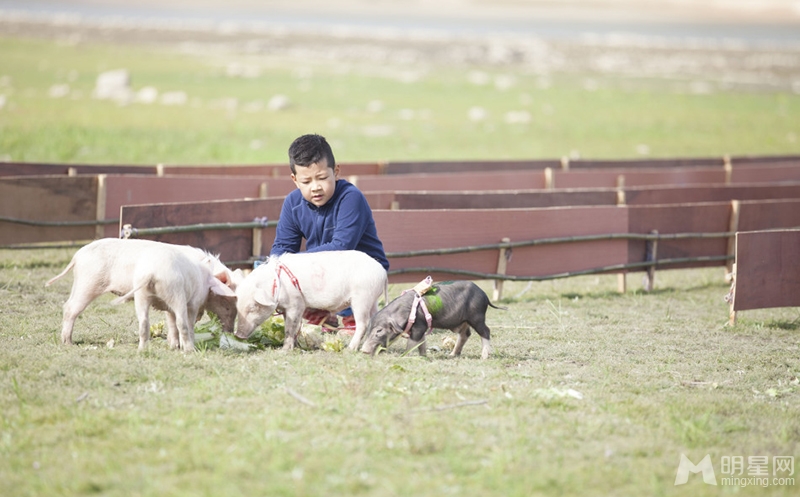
173 339
484 333
422 345
185 322
292 322
486 348
80 297
463 333
362 316
142 305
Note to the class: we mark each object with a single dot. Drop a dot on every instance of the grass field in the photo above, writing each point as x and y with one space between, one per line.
588 391
391 112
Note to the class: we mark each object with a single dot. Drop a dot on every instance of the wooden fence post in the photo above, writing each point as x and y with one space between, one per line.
651 254
502 264
728 167
100 213
731 297
733 227
549 183
258 243
622 282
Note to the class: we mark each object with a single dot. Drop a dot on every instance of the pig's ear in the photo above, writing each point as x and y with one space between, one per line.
236 278
262 297
396 327
220 288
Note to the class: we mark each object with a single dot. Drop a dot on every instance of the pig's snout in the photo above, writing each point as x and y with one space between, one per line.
371 346
243 332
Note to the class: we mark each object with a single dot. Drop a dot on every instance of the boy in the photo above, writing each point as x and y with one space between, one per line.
330 213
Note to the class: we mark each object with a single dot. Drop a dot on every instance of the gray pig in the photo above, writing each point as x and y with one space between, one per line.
453 305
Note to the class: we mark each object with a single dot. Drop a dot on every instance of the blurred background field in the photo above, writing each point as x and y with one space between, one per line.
208 85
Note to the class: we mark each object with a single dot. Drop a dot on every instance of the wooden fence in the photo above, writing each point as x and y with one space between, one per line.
524 220
81 201
387 167
767 272
36 209
543 242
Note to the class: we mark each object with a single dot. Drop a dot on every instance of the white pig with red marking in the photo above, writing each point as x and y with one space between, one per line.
329 281
108 265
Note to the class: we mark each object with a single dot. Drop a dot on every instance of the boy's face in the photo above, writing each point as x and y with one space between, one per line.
316 182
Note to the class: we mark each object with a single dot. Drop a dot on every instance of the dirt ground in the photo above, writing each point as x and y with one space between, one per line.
355 31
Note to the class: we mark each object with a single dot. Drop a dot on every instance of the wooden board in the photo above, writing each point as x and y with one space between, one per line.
504 199
466 166
766 173
265 171
712 217
769 215
132 190
47 169
229 244
767 270
646 195
672 162
403 231
472 181
609 178
653 195
681 218
47 198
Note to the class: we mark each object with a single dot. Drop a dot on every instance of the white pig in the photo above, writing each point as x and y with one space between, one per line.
172 280
329 281
107 265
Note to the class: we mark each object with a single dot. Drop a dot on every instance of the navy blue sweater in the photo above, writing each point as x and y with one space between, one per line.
344 223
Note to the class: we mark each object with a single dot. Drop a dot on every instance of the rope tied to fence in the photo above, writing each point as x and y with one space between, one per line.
129 231
33 222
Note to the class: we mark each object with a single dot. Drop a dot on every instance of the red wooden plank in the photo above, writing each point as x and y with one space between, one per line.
643 195
766 173
473 181
403 231
129 190
463 166
651 195
645 163
767 270
231 245
47 198
504 199
38 169
769 214
609 178
682 218
265 171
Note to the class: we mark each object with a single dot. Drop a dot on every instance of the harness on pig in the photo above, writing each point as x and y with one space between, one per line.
419 290
276 284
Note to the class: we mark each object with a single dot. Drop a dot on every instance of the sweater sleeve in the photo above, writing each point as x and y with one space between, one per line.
353 215
288 236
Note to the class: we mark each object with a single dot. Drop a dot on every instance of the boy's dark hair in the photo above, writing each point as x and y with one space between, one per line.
309 149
